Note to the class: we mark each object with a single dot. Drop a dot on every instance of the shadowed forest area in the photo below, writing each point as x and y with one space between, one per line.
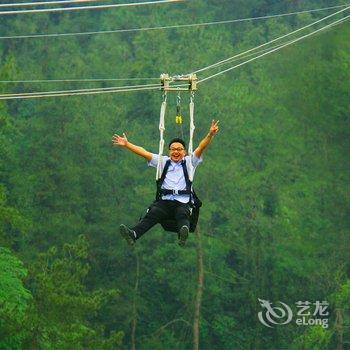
274 182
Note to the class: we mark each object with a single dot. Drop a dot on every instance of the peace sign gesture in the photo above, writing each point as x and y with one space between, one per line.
214 127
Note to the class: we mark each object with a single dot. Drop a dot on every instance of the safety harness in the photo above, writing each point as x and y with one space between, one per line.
194 202
163 191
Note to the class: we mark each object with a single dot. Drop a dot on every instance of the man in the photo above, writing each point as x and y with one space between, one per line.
172 204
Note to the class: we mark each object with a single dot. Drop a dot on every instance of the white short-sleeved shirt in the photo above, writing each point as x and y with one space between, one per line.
175 178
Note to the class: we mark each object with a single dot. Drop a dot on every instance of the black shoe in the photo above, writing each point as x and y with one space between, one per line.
183 235
127 234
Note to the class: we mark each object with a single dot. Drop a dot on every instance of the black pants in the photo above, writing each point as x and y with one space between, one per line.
161 210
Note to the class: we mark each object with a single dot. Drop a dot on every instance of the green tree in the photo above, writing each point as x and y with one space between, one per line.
14 301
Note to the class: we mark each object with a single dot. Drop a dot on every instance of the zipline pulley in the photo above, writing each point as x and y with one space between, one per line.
166 80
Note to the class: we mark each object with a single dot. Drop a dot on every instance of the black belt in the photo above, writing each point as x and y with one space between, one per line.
174 192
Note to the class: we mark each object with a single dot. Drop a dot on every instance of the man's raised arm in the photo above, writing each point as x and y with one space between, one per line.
122 141
214 128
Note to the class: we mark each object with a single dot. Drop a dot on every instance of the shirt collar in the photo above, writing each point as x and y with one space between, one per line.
177 163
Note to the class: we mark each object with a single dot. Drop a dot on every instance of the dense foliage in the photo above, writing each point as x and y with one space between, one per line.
274 182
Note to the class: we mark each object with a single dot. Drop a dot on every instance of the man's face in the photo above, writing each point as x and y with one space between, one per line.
176 151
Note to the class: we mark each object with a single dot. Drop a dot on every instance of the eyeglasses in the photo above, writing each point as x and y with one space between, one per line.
179 149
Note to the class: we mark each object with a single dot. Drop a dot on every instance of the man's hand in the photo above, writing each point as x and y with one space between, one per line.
122 141
119 140
214 127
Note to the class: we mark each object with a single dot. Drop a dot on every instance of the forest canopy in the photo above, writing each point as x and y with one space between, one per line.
274 182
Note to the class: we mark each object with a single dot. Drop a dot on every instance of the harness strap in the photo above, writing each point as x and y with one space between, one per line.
161 179
161 132
187 179
167 191
190 143
164 191
165 170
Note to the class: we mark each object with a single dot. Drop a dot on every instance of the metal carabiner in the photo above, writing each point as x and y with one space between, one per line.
178 99
178 118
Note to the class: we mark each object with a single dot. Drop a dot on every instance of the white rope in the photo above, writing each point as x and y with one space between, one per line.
60 9
190 143
277 48
269 42
114 88
165 27
24 96
161 139
244 55
247 54
74 80
23 4
55 93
